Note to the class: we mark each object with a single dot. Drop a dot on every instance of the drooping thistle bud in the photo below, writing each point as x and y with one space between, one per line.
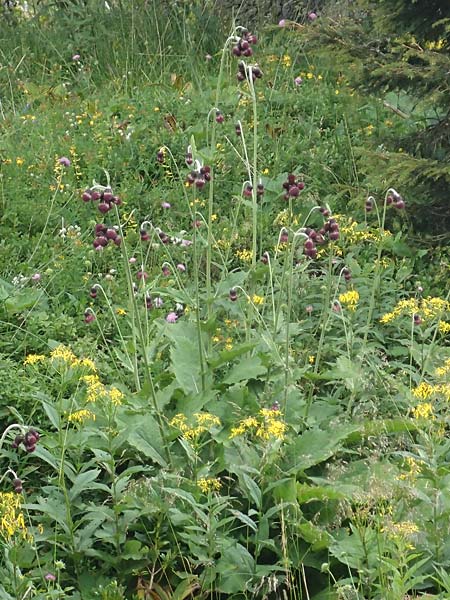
368 205
17 441
18 486
89 317
248 191
144 235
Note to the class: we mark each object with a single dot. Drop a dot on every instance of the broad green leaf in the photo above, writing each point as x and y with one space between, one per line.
185 588
245 519
25 300
6 289
234 569
349 372
144 435
248 368
227 356
317 537
83 481
186 365
51 413
309 493
315 446
251 488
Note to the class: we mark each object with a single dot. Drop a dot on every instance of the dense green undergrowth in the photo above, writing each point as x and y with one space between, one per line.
224 357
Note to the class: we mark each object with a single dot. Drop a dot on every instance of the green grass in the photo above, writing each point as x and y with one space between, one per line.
230 424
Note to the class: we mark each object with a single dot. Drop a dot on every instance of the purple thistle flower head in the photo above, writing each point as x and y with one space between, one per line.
50 577
64 161
165 205
89 317
76 57
181 267
172 317
298 81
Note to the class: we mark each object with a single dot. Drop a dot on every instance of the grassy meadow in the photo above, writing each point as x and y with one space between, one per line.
224 316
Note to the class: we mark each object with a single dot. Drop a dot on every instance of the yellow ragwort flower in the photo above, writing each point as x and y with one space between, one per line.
12 520
423 411
85 363
33 359
414 469
80 416
209 484
444 327
116 396
95 388
423 391
244 255
63 353
349 299
207 419
190 431
442 371
266 425
400 530
256 300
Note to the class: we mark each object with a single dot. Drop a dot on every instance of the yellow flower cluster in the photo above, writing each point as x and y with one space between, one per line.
423 410
444 327
218 338
429 308
256 300
244 255
62 354
414 468
95 387
425 390
401 530
349 299
33 359
80 416
283 218
75 159
115 395
11 517
444 370
436 45
266 425
352 234
202 423
96 390
210 484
